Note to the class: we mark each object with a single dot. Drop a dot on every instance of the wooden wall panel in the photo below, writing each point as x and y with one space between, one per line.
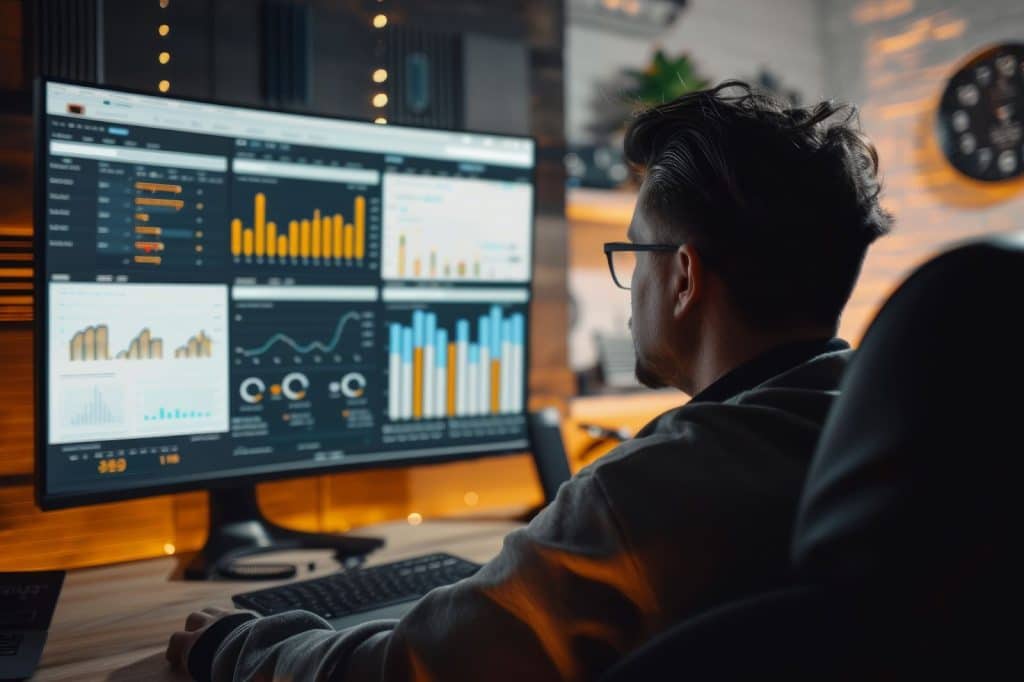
30 539
15 416
11 53
15 210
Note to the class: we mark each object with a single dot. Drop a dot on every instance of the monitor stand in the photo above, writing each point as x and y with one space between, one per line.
238 529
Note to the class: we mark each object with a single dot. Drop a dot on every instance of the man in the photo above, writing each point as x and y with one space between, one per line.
751 225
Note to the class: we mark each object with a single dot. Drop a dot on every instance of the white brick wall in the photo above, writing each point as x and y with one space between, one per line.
727 39
893 58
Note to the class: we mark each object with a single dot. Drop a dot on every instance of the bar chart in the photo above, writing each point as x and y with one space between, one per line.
176 406
93 406
153 201
474 369
142 347
166 413
333 238
151 218
198 346
92 344
447 229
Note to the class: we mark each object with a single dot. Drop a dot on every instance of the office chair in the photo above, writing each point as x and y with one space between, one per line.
902 545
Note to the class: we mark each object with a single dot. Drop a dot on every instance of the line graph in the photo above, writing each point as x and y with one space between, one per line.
297 333
302 349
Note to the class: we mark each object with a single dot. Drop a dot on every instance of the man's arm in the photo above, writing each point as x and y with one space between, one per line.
564 599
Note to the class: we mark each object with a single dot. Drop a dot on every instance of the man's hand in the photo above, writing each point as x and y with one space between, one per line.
196 624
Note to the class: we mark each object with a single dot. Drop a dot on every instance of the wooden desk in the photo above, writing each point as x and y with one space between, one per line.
112 623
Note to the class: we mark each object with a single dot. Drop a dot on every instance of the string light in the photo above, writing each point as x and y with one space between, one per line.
415 519
168 548
164 57
380 100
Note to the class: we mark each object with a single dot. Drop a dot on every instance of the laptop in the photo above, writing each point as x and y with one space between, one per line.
27 602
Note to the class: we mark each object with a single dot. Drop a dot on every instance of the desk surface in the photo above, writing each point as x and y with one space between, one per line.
112 623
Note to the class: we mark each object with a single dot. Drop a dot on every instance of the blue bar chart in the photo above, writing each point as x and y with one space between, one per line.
166 413
473 370
94 406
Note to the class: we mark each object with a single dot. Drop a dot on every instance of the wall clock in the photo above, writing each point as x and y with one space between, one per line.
981 115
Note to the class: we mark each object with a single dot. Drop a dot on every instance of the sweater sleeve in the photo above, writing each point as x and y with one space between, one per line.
563 600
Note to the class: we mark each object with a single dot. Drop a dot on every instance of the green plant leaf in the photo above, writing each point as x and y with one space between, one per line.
665 78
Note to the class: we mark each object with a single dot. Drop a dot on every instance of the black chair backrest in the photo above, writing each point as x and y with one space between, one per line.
903 547
909 492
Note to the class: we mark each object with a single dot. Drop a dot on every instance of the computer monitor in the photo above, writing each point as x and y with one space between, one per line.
228 294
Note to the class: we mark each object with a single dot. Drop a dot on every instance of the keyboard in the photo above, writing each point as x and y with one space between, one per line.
362 589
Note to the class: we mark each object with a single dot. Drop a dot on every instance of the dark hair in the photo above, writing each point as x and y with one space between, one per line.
781 202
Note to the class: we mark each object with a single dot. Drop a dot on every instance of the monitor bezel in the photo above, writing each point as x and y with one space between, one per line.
48 501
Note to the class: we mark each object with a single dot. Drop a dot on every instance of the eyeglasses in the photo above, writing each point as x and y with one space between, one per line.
622 259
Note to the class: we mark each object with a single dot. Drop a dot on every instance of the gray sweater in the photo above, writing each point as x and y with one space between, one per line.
697 509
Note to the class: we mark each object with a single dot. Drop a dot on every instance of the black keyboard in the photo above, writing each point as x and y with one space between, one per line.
10 643
360 589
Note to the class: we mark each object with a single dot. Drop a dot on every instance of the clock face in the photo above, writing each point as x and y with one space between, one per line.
981 115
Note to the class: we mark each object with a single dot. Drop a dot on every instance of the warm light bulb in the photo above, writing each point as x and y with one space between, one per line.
415 519
380 100
380 120
164 3
471 498
164 57
380 21
380 75
164 86
163 29
168 548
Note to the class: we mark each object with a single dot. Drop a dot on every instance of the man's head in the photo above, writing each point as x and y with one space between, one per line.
772 209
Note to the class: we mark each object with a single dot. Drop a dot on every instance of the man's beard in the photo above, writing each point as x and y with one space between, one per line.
646 375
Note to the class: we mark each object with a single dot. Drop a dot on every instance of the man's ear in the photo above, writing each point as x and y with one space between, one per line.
687 280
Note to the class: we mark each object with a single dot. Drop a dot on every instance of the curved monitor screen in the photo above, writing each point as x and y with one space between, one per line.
232 292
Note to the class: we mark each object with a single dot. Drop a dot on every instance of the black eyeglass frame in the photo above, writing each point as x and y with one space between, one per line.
613 247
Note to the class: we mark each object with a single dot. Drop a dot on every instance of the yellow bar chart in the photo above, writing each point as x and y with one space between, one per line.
448 269
320 236
198 346
93 343
90 344
143 347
